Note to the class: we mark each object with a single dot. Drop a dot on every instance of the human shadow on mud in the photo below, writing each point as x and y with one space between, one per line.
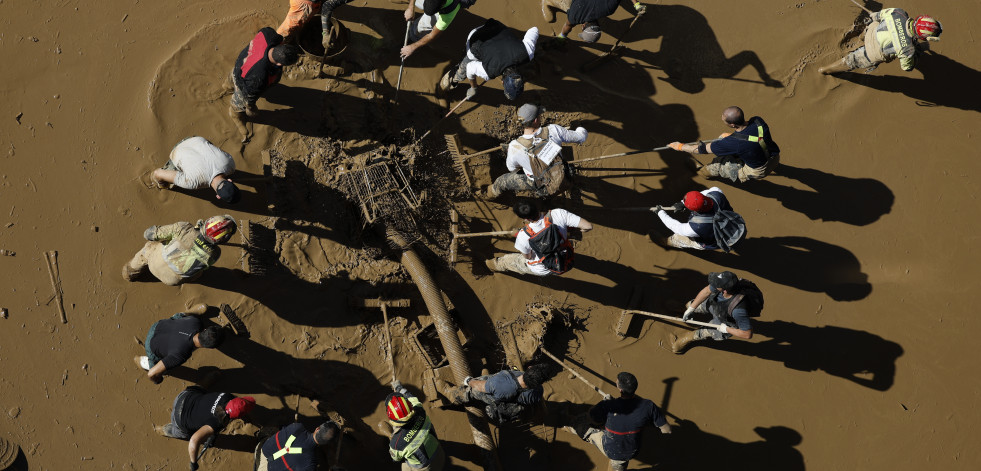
689 51
945 82
855 201
685 449
800 262
861 357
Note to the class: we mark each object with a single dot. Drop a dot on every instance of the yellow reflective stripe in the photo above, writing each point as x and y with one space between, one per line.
420 438
286 449
759 139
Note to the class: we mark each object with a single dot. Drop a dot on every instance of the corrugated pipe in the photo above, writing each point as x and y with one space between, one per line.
451 345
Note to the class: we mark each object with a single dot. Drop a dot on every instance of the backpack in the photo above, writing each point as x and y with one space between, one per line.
728 227
747 291
556 251
548 179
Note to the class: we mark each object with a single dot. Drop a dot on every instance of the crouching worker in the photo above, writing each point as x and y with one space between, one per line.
180 252
506 394
535 159
199 416
293 448
731 302
414 442
170 342
543 244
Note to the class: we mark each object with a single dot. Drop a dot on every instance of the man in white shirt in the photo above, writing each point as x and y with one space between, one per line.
543 244
546 172
196 163
492 51
698 232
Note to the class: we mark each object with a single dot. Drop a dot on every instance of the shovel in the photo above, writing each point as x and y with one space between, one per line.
577 375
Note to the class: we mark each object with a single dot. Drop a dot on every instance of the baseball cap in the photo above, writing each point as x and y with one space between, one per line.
722 280
228 192
528 112
239 406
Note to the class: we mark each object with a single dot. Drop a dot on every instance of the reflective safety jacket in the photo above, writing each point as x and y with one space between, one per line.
890 34
186 250
415 443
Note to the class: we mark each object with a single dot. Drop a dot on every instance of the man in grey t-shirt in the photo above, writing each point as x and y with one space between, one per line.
196 163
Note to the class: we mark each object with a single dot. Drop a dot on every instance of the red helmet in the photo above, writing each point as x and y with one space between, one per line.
927 27
696 201
219 228
398 408
239 406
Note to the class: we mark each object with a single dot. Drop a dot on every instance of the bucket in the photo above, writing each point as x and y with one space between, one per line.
311 38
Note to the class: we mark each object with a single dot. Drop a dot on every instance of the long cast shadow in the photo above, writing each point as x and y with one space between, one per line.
855 201
685 449
945 82
860 357
800 262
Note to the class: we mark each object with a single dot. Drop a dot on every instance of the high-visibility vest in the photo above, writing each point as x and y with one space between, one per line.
286 449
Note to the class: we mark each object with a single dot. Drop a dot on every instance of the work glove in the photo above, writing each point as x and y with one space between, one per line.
723 328
676 146
724 135
679 206
150 233
471 92
641 8
325 41
194 466
409 12
466 381
657 209
688 312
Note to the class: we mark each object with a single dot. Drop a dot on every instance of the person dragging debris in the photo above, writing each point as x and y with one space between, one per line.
619 422
293 448
258 66
535 159
198 416
746 153
730 301
170 342
181 252
196 163
543 244
506 394
492 51
414 442
437 16
712 225
302 10
891 34
586 13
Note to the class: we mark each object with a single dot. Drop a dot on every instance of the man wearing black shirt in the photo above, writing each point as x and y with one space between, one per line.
586 13
199 415
258 66
623 419
747 153
170 342
294 449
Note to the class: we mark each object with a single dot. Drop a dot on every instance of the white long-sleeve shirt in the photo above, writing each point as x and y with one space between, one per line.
518 155
682 229
475 68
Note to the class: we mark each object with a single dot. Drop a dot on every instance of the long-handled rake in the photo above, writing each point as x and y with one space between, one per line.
454 226
460 159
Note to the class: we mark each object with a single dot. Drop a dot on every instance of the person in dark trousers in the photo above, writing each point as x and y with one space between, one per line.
198 416
506 394
293 448
717 300
586 13
494 51
619 422
170 342
258 66
302 10
746 153
698 233
414 442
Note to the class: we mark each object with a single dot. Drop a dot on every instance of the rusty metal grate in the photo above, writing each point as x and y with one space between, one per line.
381 189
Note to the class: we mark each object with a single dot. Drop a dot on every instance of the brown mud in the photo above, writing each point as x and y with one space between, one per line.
862 240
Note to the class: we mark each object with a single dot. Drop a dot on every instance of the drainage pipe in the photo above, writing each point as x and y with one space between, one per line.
451 344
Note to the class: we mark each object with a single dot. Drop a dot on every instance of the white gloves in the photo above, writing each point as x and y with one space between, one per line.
723 328
466 381
688 312
471 92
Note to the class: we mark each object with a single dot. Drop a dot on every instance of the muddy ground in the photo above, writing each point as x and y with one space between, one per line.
861 241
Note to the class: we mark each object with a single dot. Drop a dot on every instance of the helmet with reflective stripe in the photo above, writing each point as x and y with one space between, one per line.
398 408
696 201
219 228
927 27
